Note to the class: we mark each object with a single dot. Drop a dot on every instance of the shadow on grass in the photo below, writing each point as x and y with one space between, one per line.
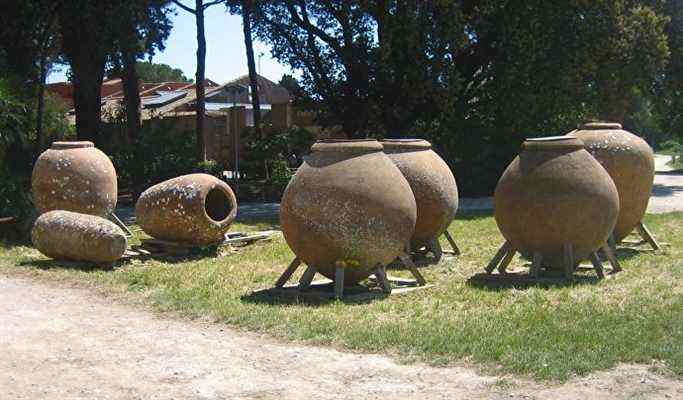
322 295
63 264
496 282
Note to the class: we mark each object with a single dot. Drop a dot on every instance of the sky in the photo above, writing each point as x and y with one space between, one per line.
225 52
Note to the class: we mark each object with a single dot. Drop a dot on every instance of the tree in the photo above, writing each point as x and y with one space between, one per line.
247 8
144 26
87 41
158 73
198 12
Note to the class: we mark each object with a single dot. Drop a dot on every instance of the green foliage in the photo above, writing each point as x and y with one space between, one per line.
210 167
156 73
161 152
280 173
264 155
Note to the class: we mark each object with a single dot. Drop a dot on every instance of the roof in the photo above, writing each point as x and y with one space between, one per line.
269 91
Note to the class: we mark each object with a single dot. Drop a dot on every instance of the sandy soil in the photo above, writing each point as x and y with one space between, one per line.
68 343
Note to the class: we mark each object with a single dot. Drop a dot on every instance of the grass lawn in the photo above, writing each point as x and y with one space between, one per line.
547 332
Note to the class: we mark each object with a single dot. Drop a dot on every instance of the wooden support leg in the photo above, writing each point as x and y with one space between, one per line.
339 283
113 218
502 268
612 258
568 261
597 264
612 243
293 266
536 265
454 246
435 247
647 236
504 249
307 277
405 259
381 275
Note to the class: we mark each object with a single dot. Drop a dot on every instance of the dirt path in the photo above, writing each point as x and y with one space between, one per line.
66 343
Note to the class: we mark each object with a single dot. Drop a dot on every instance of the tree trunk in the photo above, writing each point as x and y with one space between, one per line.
40 139
131 95
253 80
87 79
201 61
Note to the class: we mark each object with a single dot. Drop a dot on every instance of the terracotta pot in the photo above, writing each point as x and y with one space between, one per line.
66 235
194 209
554 193
348 205
432 183
630 162
74 176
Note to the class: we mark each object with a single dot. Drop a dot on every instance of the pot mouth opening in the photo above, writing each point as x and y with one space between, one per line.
406 144
218 205
72 145
552 143
595 126
353 145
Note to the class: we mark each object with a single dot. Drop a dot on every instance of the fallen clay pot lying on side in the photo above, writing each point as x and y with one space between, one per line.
66 235
195 209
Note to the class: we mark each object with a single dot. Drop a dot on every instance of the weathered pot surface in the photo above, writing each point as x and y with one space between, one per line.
195 209
432 183
74 176
630 162
66 235
554 193
348 205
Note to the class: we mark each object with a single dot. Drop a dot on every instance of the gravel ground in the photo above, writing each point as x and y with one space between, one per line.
67 344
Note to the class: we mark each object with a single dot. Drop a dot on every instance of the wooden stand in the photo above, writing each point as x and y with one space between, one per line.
113 218
506 252
380 275
435 247
647 236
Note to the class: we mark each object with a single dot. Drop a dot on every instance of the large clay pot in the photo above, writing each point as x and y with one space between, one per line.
630 162
66 235
432 183
194 209
555 193
74 176
348 205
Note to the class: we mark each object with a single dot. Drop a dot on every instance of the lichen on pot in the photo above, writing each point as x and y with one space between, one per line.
629 160
194 209
432 184
74 176
348 205
555 193
66 235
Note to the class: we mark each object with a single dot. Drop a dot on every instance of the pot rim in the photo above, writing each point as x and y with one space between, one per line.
65 145
232 201
406 144
353 145
600 125
552 143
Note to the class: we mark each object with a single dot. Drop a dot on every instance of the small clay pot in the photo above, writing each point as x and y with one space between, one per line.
66 235
555 193
348 205
630 161
195 209
432 183
74 176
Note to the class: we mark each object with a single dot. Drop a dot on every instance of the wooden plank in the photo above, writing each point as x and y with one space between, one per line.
568 260
405 259
6 219
612 258
536 265
435 247
382 279
597 265
245 239
502 268
499 256
338 283
647 236
307 277
293 266
450 240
